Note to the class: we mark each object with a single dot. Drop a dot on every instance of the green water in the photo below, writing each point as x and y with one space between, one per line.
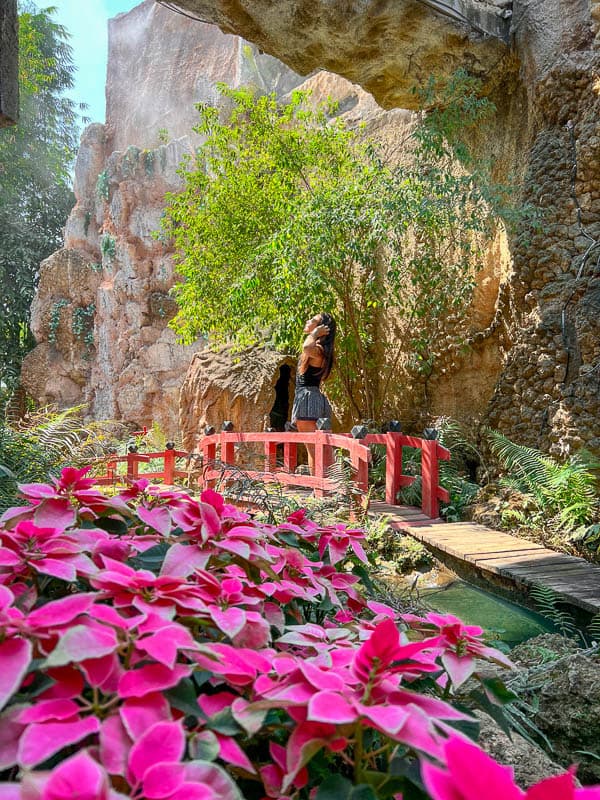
501 619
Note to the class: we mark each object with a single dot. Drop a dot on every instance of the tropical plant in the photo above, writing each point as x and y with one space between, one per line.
36 157
156 645
286 211
44 441
565 493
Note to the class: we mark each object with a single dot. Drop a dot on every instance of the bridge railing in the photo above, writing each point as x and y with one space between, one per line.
324 444
167 474
432 452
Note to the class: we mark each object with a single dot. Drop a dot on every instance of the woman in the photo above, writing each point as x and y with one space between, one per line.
314 366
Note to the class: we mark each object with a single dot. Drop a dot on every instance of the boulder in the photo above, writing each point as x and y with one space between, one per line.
252 388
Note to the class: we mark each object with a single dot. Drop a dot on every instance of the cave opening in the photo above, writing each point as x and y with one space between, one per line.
279 414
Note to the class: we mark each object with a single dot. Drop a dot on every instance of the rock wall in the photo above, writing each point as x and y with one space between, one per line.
235 386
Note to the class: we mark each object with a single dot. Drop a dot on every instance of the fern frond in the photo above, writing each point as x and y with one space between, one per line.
593 629
547 604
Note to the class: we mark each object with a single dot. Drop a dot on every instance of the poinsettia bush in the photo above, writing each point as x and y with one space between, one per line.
158 646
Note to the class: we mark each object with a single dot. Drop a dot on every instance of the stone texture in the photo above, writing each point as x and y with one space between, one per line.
566 699
229 385
9 76
384 45
533 367
161 64
102 309
529 763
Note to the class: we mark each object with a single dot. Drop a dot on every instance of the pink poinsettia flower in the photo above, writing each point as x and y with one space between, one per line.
461 644
273 774
135 489
338 539
78 777
198 520
165 595
384 654
71 480
471 774
48 551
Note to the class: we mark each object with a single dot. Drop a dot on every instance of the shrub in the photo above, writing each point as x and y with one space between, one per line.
174 648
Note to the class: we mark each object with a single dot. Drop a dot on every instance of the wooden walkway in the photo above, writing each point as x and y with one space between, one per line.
526 563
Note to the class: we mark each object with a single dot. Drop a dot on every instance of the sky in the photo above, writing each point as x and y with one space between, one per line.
86 21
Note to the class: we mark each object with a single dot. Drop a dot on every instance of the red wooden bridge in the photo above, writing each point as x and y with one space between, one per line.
493 553
225 449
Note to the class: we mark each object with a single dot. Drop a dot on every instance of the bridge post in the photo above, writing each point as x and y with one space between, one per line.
270 456
430 479
319 461
132 466
227 450
169 468
209 456
290 457
360 466
393 467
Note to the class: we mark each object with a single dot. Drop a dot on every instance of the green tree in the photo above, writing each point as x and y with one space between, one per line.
36 157
286 212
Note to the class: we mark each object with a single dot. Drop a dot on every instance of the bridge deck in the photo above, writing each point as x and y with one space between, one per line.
526 563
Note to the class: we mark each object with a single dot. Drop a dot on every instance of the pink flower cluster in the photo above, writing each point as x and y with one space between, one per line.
158 646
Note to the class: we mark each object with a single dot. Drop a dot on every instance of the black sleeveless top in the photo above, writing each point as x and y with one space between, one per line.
312 376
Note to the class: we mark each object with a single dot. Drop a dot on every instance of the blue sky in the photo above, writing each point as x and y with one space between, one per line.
86 21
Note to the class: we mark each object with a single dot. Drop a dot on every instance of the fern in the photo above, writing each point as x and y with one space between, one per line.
547 604
593 629
567 491
43 442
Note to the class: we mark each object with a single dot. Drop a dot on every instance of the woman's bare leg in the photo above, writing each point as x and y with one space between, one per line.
308 426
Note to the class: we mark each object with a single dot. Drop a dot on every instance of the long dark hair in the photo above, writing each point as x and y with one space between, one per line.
327 343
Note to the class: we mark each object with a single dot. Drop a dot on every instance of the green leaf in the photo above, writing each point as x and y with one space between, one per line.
336 787
362 792
184 698
498 691
151 559
224 723
204 746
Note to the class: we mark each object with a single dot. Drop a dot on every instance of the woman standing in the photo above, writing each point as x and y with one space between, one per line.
314 366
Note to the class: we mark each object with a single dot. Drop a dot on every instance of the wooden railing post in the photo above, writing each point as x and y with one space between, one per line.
132 466
169 468
393 467
270 456
360 466
290 457
209 456
111 470
227 450
319 460
430 478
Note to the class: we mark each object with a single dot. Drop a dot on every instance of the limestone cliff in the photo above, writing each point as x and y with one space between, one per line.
101 313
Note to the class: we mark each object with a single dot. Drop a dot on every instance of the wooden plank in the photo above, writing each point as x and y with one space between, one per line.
524 553
527 563
491 544
549 569
520 559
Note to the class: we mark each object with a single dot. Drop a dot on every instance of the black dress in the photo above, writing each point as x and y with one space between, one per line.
309 402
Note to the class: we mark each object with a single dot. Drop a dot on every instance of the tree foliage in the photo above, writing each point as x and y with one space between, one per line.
35 161
286 212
